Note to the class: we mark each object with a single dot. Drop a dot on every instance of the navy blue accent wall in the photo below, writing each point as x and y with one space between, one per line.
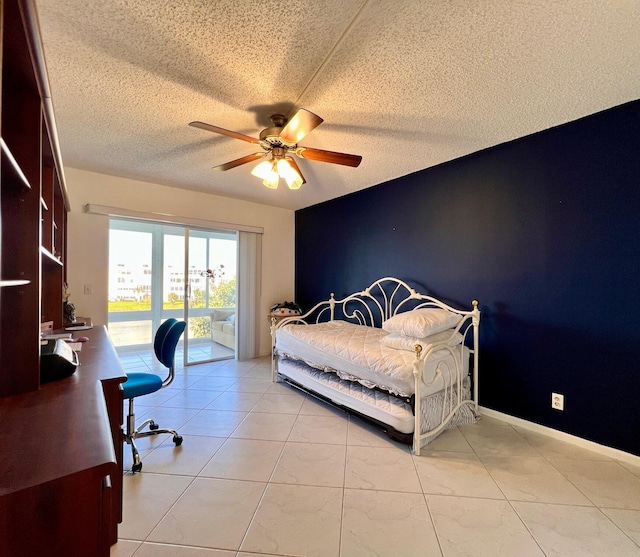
545 232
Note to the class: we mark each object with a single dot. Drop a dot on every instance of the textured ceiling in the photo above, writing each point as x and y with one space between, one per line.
407 84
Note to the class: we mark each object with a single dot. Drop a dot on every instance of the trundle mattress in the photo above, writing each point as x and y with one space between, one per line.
380 406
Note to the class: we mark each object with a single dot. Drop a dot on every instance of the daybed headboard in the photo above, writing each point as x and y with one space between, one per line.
383 299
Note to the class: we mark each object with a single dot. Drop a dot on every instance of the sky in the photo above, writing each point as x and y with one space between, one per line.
134 248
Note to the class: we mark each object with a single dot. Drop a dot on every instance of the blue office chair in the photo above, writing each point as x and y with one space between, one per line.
139 384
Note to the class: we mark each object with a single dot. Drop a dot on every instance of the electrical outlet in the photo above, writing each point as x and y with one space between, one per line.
557 401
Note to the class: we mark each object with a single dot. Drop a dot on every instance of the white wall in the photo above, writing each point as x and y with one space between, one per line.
88 236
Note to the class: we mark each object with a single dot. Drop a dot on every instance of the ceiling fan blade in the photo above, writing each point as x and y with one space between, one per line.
328 156
222 131
300 125
243 160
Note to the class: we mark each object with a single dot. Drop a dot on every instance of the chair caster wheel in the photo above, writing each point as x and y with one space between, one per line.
136 467
153 426
178 440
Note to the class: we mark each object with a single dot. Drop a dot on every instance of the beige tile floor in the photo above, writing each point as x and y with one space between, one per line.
266 471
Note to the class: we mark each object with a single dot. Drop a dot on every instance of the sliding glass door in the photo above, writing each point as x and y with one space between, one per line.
210 311
159 271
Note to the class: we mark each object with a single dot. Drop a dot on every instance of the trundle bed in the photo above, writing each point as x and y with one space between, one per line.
402 360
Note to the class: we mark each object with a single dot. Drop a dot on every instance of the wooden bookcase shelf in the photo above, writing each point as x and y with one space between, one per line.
61 442
33 203
13 172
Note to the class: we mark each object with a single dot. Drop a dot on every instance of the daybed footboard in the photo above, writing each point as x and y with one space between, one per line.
455 400
444 388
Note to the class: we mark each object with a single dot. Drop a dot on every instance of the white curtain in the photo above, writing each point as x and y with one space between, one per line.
248 294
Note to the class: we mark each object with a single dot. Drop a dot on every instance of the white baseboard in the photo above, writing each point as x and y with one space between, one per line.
561 436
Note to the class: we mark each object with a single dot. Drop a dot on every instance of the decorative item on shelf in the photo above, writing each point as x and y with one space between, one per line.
68 309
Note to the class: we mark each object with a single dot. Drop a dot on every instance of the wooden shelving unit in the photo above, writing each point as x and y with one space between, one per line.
33 203
61 442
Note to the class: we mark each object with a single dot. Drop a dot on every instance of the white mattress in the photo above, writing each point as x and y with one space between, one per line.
356 353
380 406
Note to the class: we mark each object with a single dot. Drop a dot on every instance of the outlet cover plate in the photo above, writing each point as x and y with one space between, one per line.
557 401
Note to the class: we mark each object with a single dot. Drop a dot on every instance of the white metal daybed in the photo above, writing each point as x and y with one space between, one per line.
403 360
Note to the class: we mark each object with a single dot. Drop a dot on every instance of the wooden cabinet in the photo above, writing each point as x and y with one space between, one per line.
61 460
60 442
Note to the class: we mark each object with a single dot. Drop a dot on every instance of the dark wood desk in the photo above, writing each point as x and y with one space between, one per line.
61 460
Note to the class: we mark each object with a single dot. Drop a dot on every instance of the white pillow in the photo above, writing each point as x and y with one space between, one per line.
421 323
400 342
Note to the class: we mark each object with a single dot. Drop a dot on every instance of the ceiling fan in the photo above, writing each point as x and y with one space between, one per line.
281 140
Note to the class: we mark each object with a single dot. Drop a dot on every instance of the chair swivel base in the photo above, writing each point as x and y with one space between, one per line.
154 428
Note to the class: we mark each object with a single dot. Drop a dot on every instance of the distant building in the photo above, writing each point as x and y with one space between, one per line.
133 283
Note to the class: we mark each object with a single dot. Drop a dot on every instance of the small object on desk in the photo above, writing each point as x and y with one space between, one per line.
54 336
79 328
57 361
76 343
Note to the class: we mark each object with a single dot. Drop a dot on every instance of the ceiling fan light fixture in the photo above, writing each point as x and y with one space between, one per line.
289 173
263 169
272 182
267 172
